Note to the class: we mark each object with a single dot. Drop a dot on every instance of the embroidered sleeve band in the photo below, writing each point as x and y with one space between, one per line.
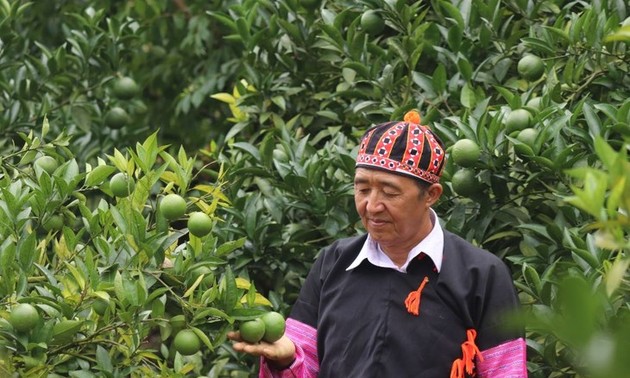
507 360
306 364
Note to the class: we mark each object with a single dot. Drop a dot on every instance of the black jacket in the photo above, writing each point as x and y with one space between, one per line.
364 329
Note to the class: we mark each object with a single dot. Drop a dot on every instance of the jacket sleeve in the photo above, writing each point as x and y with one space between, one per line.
306 364
506 360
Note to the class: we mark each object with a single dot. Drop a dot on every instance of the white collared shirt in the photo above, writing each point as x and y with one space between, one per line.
432 245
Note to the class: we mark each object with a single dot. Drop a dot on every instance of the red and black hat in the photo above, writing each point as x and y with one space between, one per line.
406 148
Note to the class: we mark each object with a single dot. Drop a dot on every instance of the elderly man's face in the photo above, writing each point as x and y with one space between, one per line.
393 208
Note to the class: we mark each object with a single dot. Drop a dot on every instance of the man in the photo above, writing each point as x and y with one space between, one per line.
407 299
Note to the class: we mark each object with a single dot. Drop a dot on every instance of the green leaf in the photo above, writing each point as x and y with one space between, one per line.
454 13
230 291
213 313
592 120
464 67
621 35
203 337
229 247
532 278
97 175
103 359
439 78
616 274
467 96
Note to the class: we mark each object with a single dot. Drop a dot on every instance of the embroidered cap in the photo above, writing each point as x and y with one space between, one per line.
403 147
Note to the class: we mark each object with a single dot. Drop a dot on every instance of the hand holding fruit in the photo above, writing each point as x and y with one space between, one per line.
265 337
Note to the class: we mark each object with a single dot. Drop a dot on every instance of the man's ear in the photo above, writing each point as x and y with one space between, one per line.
433 194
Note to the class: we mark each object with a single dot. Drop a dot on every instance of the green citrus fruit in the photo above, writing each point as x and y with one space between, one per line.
465 152
535 103
464 182
372 22
173 206
275 326
178 322
116 117
531 67
101 303
47 163
252 331
24 317
53 223
517 120
125 88
186 342
527 136
121 185
199 224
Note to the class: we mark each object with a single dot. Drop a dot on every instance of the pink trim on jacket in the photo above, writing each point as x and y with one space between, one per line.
507 360
306 364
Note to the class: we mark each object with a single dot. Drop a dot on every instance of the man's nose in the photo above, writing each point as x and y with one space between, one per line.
373 203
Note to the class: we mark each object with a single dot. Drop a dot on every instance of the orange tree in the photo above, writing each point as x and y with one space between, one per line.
533 85
95 281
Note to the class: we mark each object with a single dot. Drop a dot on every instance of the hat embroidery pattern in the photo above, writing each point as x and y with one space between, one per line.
403 147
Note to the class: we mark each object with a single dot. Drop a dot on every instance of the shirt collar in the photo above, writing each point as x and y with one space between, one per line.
432 245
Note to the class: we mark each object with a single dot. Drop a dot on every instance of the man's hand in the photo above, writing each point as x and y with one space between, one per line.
279 354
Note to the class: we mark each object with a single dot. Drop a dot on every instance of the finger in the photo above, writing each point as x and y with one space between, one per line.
253 349
234 336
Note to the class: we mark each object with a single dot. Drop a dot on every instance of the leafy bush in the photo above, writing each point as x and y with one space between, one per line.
109 275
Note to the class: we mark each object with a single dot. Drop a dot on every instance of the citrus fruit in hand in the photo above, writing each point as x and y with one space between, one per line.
116 117
47 163
465 152
372 22
531 67
24 317
121 185
125 88
252 331
517 120
173 206
464 182
275 326
199 224
186 342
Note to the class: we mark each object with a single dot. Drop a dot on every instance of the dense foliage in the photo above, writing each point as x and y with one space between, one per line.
272 96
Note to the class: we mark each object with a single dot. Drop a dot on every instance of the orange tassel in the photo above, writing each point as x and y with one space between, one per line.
412 116
412 302
469 352
457 370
